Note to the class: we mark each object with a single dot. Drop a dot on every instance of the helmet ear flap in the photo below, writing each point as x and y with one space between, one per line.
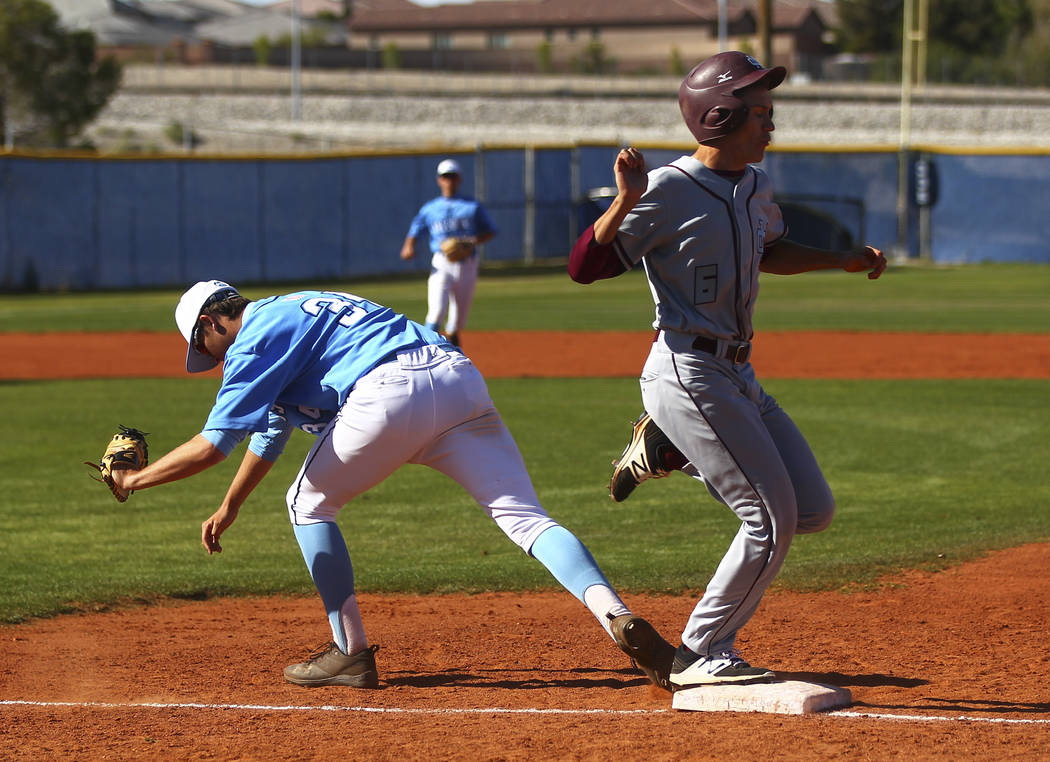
716 117
721 120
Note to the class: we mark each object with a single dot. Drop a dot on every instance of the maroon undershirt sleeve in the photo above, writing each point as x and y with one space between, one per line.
590 261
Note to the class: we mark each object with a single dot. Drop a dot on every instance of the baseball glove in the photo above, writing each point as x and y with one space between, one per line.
126 450
457 249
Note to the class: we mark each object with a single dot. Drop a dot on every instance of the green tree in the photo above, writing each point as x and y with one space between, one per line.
262 48
594 60
1032 58
974 27
675 64
391 56
974 40
545 57
979 27
310 36
969 40
51 83
314 37
869 26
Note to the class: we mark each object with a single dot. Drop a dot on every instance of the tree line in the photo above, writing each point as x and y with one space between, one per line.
970 42
52 83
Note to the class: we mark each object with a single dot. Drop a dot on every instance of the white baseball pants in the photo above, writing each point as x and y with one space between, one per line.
450 292
428 406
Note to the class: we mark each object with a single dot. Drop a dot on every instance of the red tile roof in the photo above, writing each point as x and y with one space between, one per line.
541 14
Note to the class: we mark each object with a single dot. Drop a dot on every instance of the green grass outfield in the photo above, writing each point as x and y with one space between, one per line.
926 473
975 298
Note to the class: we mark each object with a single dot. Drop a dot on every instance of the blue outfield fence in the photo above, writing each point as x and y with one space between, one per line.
81 223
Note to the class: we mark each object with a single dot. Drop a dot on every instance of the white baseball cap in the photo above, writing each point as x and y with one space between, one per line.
449 167
189 309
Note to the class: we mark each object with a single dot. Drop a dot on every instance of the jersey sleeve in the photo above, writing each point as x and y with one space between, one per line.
483 221
418 224
250 385
223 440
590 261
269 444
642 228
776 227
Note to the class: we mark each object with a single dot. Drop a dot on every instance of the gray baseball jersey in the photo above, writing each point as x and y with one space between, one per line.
701 237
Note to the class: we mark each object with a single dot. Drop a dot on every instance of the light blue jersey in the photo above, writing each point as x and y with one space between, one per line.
456 217
407 396
294 361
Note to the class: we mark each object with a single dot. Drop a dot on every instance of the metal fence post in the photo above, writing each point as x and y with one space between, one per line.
574 194
479 184
529 232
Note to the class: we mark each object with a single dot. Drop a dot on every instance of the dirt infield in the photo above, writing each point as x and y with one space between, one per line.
505 354
502 676
952 665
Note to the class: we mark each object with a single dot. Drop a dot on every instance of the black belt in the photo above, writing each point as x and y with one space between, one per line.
738 353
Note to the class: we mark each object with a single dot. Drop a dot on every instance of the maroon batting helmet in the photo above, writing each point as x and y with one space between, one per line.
708 97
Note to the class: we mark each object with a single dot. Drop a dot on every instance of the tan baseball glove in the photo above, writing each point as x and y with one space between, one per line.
127 450
457 249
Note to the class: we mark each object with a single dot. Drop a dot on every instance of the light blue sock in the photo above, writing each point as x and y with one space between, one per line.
568 560
328 560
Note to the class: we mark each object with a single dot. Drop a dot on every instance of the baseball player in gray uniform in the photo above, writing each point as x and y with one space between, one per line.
704 227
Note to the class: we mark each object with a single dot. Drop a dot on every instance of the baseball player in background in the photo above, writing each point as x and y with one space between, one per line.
703 227
457 226
378 391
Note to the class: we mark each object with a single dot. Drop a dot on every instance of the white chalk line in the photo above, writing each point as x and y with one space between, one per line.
847 714
325 708
938 718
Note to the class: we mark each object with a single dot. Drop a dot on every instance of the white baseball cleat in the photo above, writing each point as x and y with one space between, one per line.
724 667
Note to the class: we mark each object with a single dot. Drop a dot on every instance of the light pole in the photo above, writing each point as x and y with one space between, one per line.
913 34
723 27
9 122
296 63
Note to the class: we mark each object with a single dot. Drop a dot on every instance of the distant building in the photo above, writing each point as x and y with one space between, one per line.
122 25
589 36
657 36
316 8
198 31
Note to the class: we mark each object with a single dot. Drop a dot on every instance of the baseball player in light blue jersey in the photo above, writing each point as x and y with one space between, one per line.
378 391
453 276
704 227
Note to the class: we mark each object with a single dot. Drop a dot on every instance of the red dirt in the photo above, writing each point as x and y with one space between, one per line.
552 354
964 648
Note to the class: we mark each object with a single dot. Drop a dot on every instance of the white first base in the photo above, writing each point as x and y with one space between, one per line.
787 697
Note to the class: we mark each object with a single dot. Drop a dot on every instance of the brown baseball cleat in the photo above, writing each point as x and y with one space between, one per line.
328 665
649 455
648 650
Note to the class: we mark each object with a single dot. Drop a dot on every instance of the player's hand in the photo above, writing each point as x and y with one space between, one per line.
865 258
631 179
123 478
407 251
213 528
